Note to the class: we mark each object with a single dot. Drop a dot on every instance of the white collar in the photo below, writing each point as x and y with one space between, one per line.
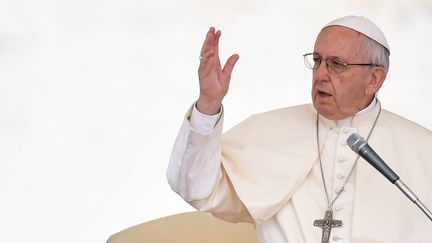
347 121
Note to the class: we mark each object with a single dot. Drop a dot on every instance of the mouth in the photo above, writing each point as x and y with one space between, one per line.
323 94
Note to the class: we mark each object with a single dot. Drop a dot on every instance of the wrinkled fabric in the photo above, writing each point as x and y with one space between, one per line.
270 176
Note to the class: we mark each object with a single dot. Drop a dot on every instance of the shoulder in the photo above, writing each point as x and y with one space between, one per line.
279 122
298 112
406 146
404 126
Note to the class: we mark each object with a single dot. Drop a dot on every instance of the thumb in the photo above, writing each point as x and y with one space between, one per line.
229 65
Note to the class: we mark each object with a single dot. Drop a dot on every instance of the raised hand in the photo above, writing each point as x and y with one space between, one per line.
213 79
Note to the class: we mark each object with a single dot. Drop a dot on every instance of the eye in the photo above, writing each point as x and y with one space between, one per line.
316 59
336 64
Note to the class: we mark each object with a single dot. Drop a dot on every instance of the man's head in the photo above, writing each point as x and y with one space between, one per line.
340 90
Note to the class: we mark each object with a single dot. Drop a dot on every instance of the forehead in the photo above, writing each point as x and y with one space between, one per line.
340 42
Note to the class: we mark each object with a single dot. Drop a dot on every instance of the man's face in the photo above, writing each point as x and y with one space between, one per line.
338 96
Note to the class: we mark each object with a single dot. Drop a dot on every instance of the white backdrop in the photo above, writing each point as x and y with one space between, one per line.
92 94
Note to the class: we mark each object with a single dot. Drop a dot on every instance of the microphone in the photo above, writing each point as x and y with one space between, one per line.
361 147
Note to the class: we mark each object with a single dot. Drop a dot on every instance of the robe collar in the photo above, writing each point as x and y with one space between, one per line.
362 118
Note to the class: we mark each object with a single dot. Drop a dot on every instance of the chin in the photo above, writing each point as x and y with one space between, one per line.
324 110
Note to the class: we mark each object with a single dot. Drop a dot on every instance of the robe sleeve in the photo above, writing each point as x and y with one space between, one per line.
196 174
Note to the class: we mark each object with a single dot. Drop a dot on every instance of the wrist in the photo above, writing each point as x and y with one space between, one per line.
208 108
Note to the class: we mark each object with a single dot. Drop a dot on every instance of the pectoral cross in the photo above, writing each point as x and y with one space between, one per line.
327 224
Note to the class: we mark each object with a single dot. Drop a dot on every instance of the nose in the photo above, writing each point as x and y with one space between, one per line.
321 72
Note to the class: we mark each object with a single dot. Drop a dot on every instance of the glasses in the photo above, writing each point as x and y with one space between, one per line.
334 64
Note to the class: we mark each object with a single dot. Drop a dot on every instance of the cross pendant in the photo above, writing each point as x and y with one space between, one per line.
327 224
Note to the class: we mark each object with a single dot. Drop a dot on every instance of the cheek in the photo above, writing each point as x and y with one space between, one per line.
313 85
349 92
343 92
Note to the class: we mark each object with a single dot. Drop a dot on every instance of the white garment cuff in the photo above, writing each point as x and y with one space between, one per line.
203 123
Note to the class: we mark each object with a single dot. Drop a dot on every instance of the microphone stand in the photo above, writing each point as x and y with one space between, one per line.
404 188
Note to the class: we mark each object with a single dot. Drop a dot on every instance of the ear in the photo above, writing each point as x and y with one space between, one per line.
376 80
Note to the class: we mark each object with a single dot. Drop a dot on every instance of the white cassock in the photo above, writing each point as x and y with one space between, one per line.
270 175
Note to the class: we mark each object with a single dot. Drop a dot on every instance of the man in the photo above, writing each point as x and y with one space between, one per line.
290 171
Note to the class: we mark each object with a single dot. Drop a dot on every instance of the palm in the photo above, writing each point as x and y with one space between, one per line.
214 80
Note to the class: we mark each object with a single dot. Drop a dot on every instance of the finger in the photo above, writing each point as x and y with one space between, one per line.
206 56
229 65
209 41
216 41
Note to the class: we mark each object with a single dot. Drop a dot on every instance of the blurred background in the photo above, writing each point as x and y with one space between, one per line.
92 94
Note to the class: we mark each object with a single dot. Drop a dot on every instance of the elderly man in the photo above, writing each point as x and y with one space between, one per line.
290 171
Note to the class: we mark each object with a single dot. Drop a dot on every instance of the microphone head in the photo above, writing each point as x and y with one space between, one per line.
356 142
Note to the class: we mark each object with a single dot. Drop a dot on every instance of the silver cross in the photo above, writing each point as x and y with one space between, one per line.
327 224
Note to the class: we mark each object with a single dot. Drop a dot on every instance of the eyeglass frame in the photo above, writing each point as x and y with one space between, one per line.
339 61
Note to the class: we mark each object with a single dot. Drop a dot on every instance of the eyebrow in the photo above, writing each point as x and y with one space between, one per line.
335 57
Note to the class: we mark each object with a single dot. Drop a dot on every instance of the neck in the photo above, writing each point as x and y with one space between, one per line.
347 121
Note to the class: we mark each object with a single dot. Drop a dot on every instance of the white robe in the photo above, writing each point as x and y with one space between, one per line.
271 177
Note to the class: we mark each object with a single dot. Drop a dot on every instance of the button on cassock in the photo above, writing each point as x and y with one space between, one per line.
337 190
337 209
336 238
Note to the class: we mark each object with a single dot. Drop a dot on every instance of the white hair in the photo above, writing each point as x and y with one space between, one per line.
376 53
